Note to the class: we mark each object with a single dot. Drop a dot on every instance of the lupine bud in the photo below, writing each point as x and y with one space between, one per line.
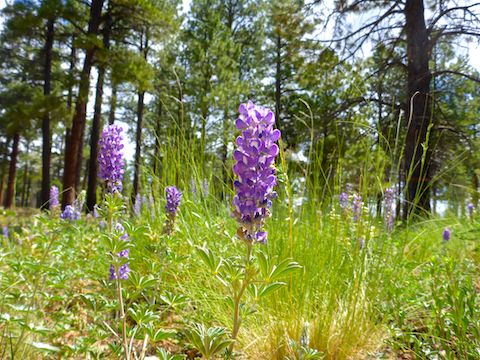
54 203
110 158
255 170
447 234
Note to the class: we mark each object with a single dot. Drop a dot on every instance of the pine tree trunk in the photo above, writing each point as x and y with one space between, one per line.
138 144
96 125
12 172
419 117
46 135
25 178
94 137
113 105
75 143
138 133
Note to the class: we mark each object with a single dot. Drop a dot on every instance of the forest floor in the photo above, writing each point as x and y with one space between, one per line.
330 287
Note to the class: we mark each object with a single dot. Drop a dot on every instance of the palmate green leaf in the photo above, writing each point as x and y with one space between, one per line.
209 342
270 288
213 263
173 300
165 355
141 283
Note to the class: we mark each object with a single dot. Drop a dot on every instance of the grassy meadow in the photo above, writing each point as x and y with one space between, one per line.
332 287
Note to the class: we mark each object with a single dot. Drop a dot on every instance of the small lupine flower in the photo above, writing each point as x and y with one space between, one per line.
123 272
357 207
102 224
205 187
470 208
361 243
138 204
110 158
344 201
5 231
70 213
255 170
54 203
95 212
447 234
174 196
193 189
388 215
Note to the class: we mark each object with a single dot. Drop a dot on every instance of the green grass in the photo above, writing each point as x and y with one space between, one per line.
403 293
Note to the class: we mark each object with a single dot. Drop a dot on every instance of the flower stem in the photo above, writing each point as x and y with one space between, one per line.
122 316
238 297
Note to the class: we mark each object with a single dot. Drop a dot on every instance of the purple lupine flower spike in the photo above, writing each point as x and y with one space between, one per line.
447 234
205 187
70 213
388 215
255 170
110 158
5 231
54 202
174 197
357 207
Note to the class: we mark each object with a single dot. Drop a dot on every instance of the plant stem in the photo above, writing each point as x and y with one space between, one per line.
122 316
238 297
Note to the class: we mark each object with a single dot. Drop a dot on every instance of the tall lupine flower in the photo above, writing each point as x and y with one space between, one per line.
110 158
357 206
70 213
174 197
388 215
255 169
447 234
54 203
5 231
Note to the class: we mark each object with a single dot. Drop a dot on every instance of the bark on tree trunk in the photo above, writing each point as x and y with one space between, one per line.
46 135
416 160
78 124
138 145
25 177
10 197
73 59
138 133
94 137
113 105
96 125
